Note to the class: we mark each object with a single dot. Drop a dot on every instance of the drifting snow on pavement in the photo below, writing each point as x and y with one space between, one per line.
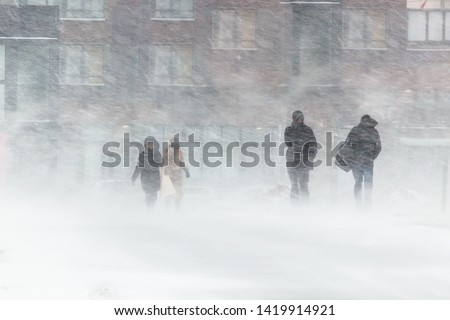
221 249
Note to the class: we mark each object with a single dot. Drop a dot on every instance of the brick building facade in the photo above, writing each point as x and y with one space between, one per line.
105 67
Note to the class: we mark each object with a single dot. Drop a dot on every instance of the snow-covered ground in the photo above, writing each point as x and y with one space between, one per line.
219 247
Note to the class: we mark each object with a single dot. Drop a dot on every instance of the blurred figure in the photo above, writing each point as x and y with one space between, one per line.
148 167
365 141
302 149
174 166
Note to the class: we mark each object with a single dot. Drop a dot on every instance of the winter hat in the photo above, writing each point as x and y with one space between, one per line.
298 115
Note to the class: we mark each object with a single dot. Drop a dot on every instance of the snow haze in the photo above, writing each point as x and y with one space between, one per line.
76 77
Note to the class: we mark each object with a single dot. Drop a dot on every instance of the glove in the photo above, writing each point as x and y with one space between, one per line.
188 174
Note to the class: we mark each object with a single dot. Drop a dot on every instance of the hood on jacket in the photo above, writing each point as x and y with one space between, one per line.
174 141
367 121
151 139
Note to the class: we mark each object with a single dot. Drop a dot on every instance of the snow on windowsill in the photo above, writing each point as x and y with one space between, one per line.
367 49
238 49
82 19
427 49
170 85
310 2
172 19
84 84
28 38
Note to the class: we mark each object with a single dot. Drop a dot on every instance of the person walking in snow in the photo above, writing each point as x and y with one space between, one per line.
302 149
365 142
148 167
174 167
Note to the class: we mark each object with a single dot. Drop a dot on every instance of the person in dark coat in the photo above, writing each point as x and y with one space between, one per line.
148 167
302 149
365 141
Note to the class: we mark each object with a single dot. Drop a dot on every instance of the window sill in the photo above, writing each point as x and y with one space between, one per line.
236 49
83 84
428 49
367 49
172 19
310 2
82 19
28 38
170 85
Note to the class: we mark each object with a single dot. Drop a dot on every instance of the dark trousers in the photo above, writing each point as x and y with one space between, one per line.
363 173
150 198
150 182
299 183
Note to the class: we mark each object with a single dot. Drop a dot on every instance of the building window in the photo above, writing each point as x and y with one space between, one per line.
82 64
92 9
74 9
427 4
364 28
33 78
234 29
428 25
313 32
170 65
428 20
173 9
2 81
41 2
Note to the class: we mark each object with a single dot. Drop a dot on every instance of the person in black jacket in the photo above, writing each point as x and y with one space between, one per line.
365 141
148 167
302 149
